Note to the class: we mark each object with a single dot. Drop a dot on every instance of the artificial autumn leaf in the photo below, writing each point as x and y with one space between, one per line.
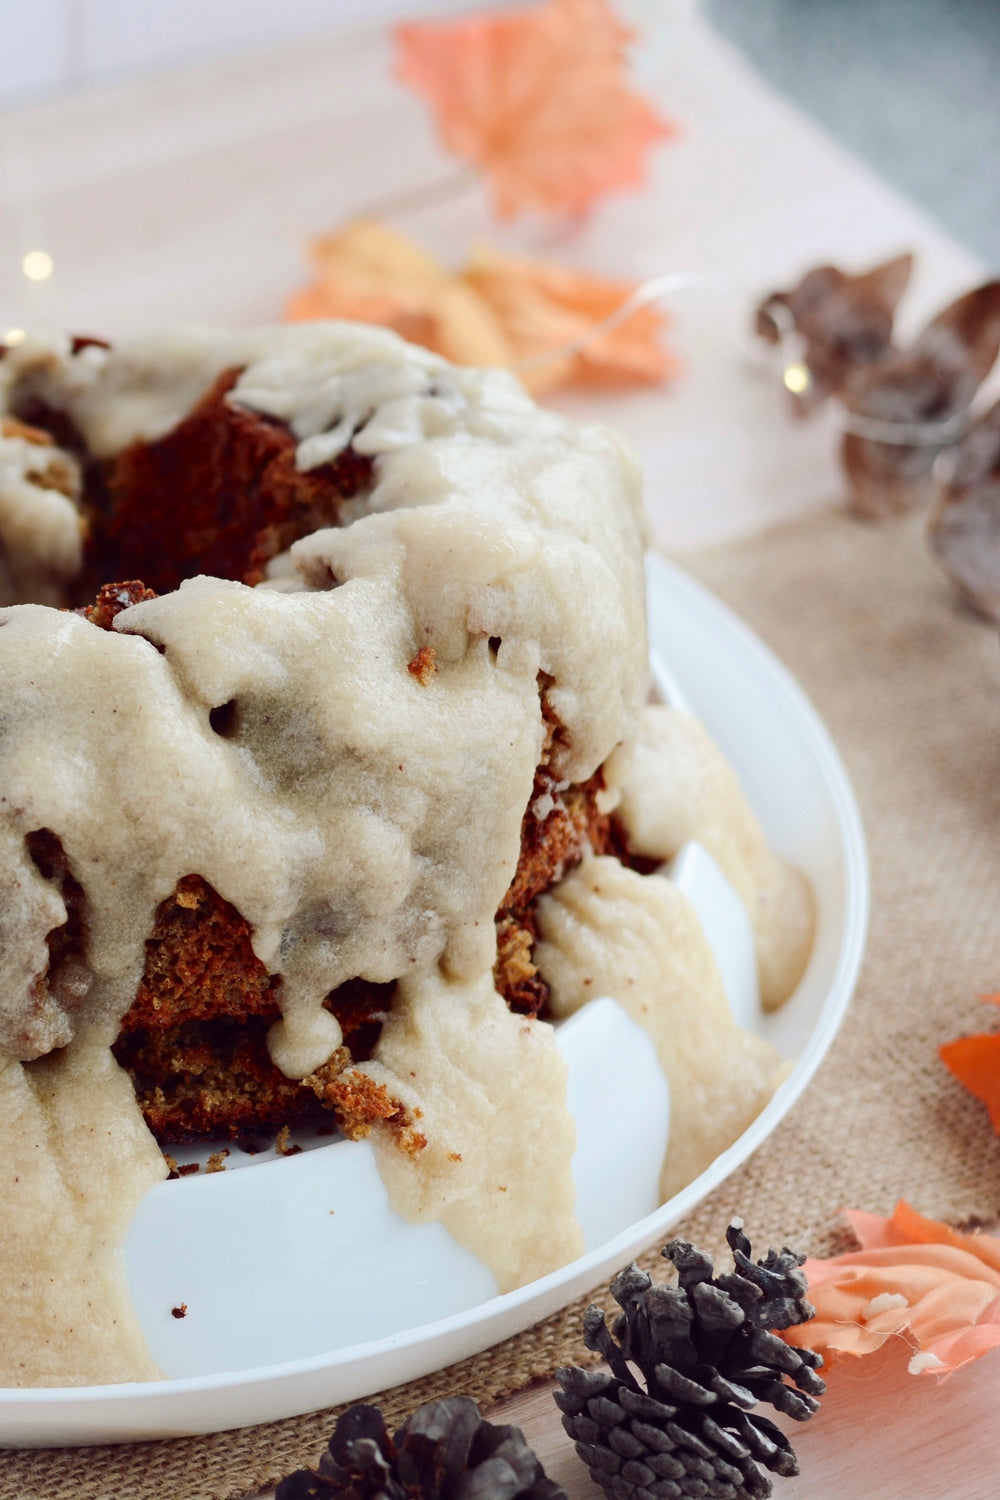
912 1278
964 523
930 387
536 99
975 1062
543 307
372 274
842 321
500 311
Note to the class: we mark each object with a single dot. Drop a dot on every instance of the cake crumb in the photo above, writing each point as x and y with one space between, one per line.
180 1311
217 1161
12 427
411 1142
282 1143
423 666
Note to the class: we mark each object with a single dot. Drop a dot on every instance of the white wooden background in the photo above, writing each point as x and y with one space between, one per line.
50 45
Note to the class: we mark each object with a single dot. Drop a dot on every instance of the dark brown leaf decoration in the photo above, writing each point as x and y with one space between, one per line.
963 530
924 393
842 322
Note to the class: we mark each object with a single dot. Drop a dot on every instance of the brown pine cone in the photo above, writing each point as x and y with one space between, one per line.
444 1451
707 1355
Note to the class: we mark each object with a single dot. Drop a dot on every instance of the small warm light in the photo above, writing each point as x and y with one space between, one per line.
37 265
796 378
14 336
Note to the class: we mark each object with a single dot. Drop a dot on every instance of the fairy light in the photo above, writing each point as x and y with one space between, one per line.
37 265
644 295
796 375
13 337
796 378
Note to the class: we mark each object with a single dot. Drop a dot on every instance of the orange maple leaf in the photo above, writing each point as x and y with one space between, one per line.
975 1062
543 307
370 273
537 100
912 1278
501 310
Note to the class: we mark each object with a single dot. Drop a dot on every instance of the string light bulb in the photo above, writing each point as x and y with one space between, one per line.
37 265
796 378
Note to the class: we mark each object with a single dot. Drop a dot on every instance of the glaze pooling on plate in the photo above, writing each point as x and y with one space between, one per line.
677 786
607 930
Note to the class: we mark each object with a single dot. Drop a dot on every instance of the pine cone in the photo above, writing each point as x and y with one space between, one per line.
707 1357
444 1451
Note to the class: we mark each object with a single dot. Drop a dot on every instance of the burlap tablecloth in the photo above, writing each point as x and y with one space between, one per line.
909 684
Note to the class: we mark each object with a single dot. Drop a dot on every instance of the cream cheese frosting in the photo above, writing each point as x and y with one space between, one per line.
41 540
363 821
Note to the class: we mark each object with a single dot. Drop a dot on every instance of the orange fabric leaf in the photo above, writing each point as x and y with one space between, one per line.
541 307
501 310
372 274
912 1278
536 99
975 1062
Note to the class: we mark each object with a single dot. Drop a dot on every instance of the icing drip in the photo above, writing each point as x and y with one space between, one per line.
680 787
355 843
76 1160
607 931
41 543
488 1090
299 1044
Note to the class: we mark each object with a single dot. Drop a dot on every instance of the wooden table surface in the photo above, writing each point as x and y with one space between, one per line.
190 197
880 1434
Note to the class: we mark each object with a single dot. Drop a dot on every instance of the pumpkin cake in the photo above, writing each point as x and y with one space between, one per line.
323 669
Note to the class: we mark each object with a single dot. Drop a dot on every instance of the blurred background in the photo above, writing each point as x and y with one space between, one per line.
909 85
185 161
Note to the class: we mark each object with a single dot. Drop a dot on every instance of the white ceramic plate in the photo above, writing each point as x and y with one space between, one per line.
797 785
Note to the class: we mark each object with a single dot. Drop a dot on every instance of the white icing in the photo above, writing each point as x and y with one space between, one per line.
488 1089
354 842
41 543
300 1045
606 930
677 786
76 1160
